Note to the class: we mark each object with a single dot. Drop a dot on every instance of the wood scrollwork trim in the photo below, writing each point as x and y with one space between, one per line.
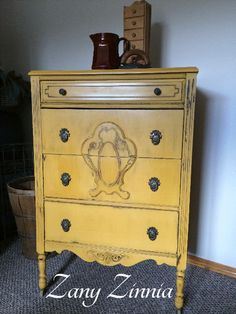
124 153
106 257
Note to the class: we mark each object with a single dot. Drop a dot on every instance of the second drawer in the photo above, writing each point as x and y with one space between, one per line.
146 181
145 133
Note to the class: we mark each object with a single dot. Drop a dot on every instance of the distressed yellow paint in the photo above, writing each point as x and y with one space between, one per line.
136 125
80 91
127 228
135 180
108 201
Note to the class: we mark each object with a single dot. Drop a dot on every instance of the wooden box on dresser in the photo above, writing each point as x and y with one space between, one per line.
112 152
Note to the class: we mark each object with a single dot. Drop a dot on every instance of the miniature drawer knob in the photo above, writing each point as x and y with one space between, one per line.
134 23
65 178
152 233
64 135
154 184
65 224
133 35
157 91
155 137
62 92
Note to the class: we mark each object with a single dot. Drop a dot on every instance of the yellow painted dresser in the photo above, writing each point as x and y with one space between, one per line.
112 152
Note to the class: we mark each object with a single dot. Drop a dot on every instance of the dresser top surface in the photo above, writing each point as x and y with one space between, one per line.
114 71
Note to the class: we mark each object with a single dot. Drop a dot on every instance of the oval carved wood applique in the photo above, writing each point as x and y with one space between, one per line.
109 154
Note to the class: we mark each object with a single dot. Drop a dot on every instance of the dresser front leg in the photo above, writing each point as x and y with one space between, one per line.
42 273
179 298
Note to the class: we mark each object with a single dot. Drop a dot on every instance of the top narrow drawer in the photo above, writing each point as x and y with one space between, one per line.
166 90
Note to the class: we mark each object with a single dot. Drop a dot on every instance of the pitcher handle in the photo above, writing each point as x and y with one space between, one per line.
126 44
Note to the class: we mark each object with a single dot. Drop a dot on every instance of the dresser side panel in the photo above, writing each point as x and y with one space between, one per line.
38 170
186 170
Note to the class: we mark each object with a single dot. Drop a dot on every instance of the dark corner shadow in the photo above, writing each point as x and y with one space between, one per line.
70 260
155 45
198 150
6 243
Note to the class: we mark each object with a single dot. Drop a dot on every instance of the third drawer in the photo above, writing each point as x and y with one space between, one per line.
147 181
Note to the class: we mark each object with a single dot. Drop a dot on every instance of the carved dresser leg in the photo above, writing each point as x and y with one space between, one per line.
42 273
179 298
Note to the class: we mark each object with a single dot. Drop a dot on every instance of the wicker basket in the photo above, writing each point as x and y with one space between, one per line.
22 199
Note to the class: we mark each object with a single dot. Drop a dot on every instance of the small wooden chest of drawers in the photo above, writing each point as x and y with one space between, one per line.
113 156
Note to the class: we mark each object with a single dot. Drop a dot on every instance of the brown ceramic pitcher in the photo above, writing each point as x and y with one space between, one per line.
106 50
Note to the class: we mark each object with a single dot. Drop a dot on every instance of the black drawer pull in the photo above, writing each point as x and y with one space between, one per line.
155 136
62 92
64 135
157 91
154 184
65 224
152 233
65 178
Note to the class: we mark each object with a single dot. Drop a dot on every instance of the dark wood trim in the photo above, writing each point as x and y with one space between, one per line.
209 265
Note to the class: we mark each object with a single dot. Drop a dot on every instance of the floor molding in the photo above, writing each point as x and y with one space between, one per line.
209 265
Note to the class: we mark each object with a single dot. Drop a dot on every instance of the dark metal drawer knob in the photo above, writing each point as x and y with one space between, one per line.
157 91
154 184
152 233
65 224
65 178
64 135
155 136
62 92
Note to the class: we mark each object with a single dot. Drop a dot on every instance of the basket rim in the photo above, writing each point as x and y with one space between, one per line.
11 186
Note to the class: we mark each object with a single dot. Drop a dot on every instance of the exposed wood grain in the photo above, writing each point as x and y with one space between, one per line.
137 24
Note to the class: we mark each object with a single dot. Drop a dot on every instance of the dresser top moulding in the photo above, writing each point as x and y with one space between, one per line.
115 71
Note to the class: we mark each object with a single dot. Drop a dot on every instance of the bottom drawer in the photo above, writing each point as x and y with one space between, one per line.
141 229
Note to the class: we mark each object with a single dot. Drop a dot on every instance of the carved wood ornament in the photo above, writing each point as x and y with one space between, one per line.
109 154
106 257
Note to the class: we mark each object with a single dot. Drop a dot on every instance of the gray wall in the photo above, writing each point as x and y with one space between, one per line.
54 34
